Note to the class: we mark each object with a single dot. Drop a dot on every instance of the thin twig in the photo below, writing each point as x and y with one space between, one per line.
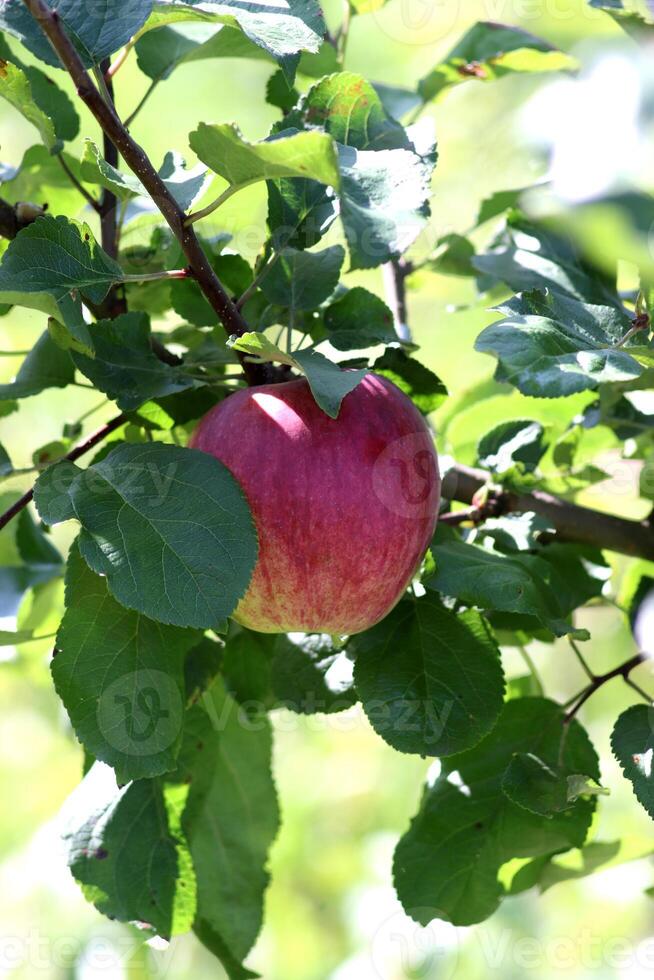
623 670
142 167
75 453
77 185
588 672
148 92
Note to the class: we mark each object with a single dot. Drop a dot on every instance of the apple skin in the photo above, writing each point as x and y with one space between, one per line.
344 508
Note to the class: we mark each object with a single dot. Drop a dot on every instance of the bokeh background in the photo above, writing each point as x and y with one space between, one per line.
345 795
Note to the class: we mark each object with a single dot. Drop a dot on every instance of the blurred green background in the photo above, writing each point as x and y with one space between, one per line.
345 795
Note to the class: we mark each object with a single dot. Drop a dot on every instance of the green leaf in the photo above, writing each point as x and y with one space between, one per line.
397 102
120 677
300 212
549 346
631 21
448 862
632 742
281 31
161 51
280 93
384 202
499 202
46 366
527 256
454 254
185 185
231 817
329 384
34 547
168 527
6 466
15 87
96 33
359 319
518 441
444 693
532 784
347 107
310 675
520 583
125 848
240 162
52 492
52 101
423 387
125 368
55 256
303 280
489 51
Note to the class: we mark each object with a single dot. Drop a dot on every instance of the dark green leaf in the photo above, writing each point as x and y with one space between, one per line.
125 849
422 386
519 441
519 584
46 366
453 257
96 31
125 368
311 675
168 527
487 52
281 31
444 692
299 212
359 319
384 202
532 784
55 256
34 547
632 742
52 492
447 864
231 816
280 93
16 88
527 256
549 346
120 677
160 52
303 280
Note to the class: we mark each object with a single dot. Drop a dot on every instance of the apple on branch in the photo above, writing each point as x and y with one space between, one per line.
344 508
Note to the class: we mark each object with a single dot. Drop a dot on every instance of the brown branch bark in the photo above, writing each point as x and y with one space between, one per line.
571 521
82 447
623 670
139 162
15 217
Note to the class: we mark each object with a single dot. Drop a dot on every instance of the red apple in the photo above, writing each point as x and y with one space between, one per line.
345 508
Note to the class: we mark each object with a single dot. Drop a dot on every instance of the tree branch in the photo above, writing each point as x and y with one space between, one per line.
15 217
395 273
75 453
623 670
571 521
140 164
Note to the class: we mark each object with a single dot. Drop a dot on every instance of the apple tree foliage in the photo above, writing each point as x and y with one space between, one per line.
172 823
